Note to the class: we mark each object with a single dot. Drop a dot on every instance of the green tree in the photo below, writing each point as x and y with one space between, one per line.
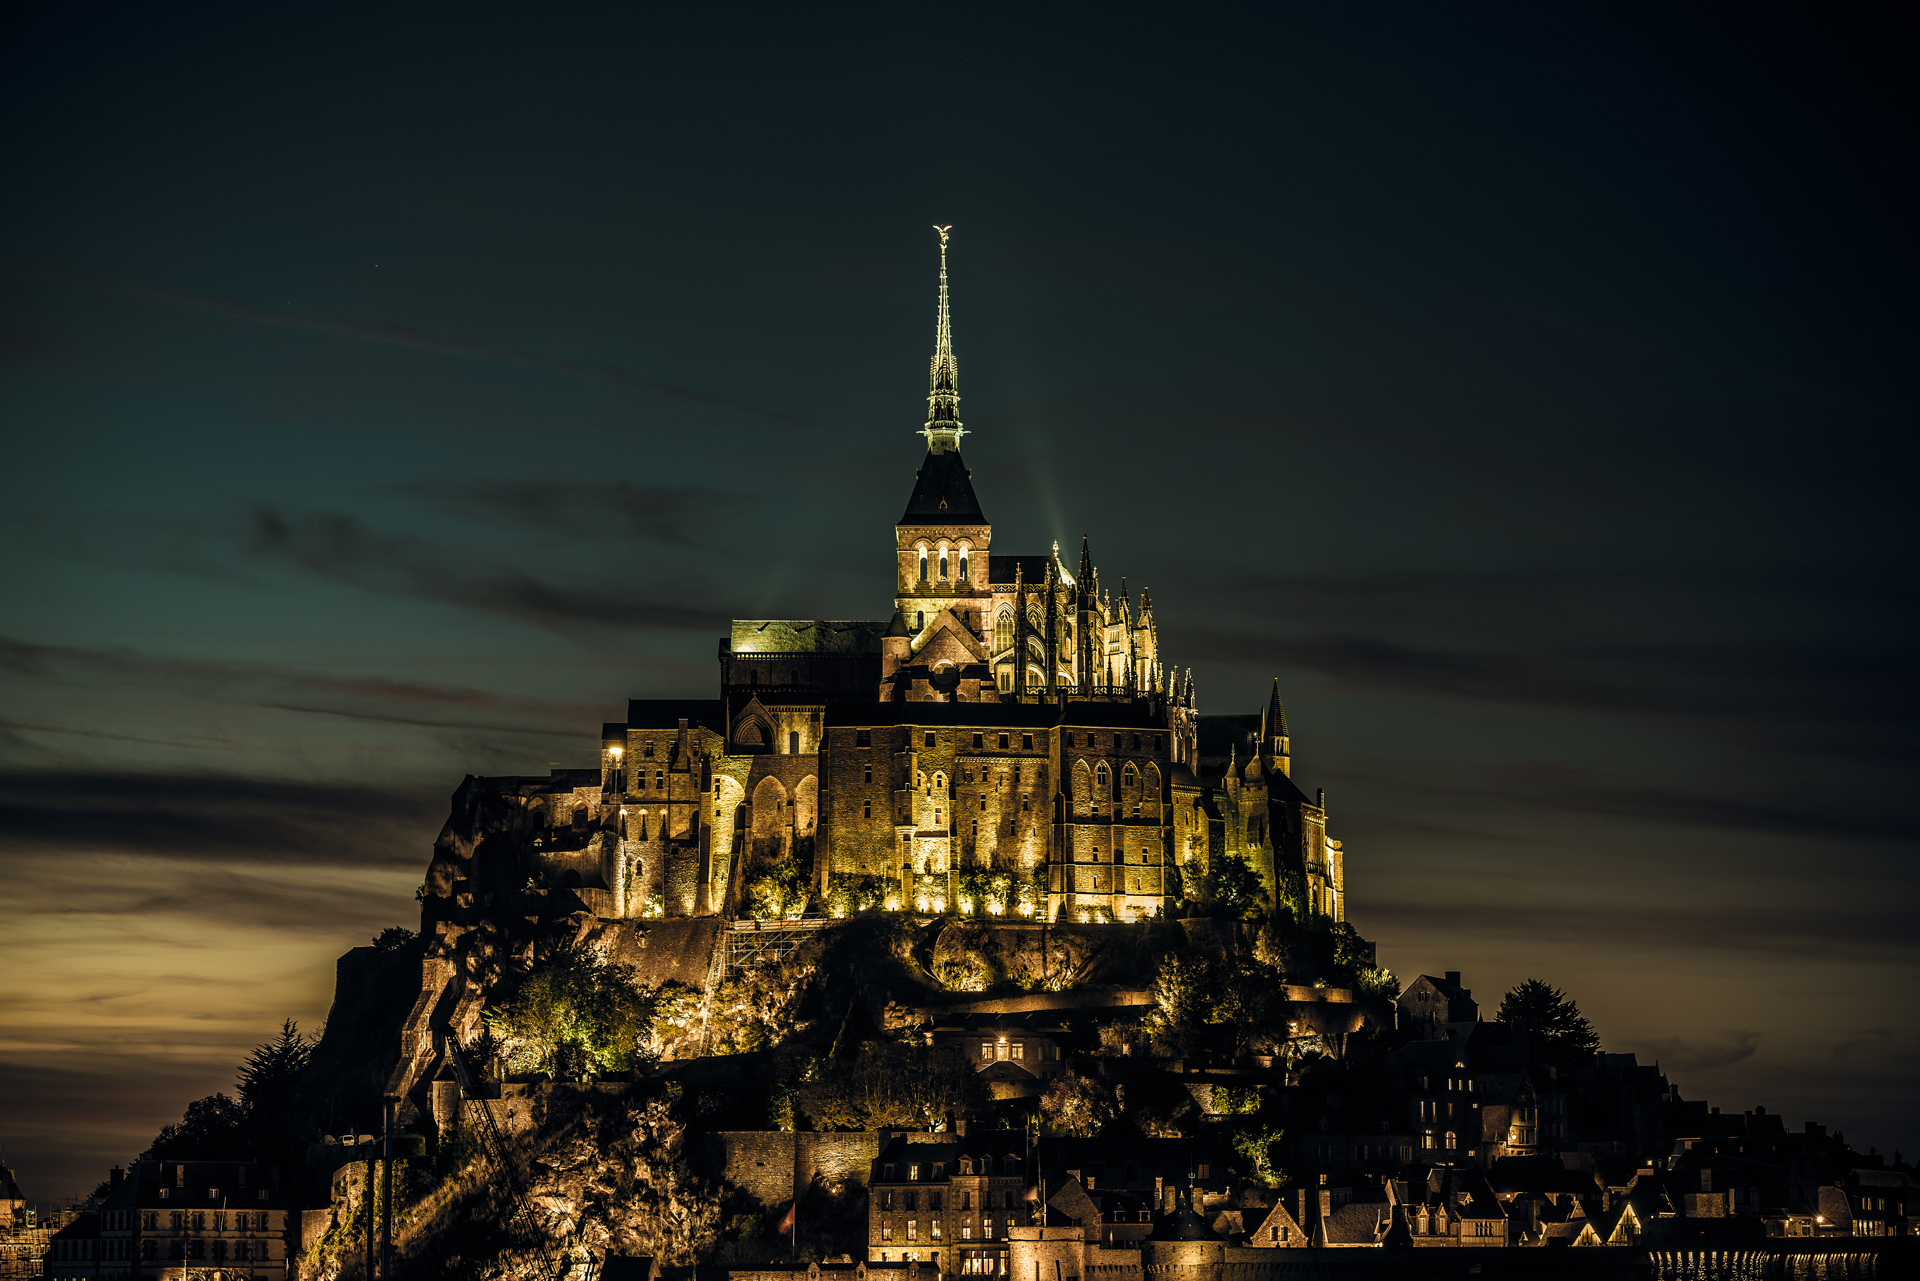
1079 1106
892 1084
780 890
1231 888
1185 990
395 939
272 1073
1351 953
575 1011
213 1129
1557 1032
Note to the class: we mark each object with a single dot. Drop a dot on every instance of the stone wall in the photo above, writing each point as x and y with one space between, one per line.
774 1165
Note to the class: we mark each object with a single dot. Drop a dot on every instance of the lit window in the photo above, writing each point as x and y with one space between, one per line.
1019 1050
986 1051
913 1229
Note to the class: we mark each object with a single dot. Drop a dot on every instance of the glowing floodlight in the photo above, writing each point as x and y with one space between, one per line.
966 905
893 905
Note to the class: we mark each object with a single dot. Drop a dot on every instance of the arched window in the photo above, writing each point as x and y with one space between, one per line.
1451 1141
923 564
920 615
1129 778
963 565
939 781
943 562
1003 632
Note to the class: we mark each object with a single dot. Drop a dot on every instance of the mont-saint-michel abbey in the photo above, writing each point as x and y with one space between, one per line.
952 941
1009 713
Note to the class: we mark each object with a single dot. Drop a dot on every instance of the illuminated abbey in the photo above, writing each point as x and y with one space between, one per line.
1009 722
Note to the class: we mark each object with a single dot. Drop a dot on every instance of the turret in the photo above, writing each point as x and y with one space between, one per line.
1274 740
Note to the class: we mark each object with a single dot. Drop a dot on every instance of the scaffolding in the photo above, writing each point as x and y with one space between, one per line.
751 943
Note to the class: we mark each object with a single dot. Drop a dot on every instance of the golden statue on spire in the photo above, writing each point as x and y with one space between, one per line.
943 430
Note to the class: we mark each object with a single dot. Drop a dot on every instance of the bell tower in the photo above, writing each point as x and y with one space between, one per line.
941 540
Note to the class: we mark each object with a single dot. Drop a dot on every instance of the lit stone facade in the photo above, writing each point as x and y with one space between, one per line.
1011 722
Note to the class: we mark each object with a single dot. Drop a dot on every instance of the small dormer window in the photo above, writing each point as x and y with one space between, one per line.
913 1173
886 1174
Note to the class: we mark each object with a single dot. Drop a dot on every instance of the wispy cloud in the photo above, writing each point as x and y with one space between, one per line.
409 338
687 515
285 687
216 817
341 549
1789 931
1704 1053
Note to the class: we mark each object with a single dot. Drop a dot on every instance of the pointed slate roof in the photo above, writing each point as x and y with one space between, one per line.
943 493
1182 1225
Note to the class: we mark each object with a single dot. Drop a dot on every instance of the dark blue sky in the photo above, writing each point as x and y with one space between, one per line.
388 395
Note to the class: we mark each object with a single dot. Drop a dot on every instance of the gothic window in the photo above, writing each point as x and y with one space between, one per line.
1003 632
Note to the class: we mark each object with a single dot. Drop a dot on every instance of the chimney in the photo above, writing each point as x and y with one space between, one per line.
115 1177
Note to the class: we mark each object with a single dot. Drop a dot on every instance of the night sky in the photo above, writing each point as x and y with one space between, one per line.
389 396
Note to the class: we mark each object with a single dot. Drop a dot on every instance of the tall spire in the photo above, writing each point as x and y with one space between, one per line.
943 430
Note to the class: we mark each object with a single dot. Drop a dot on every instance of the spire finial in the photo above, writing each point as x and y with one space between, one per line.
943 430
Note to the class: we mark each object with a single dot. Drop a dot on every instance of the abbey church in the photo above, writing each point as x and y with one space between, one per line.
1008 722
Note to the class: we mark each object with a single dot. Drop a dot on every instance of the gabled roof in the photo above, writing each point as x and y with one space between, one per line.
943 493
